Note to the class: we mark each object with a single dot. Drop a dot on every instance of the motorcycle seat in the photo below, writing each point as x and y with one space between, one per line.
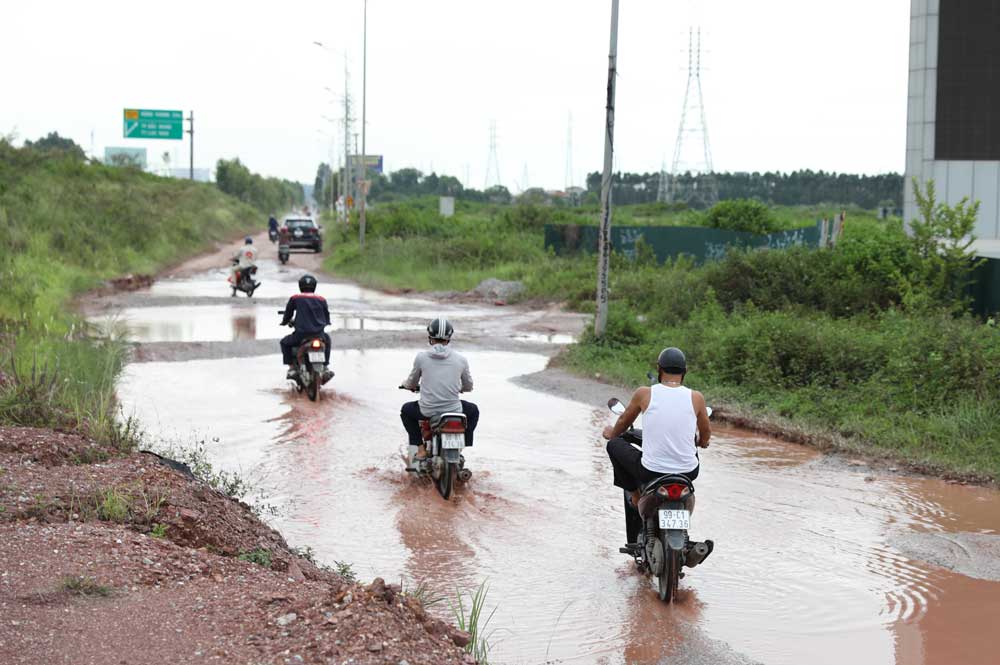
666 479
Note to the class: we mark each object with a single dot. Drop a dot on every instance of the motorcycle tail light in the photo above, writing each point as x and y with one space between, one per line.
316 344
453 427
672 492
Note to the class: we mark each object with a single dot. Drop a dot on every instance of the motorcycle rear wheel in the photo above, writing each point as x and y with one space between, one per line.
446 480
670 577
312 390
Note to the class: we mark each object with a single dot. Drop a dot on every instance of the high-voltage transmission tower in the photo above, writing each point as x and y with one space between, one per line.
492 163
702 190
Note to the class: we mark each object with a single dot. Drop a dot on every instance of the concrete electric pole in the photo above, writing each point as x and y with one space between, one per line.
364 159
604 239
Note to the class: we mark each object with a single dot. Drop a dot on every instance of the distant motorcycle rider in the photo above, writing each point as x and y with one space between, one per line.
674 422
442 375
272 228
245 258
308 312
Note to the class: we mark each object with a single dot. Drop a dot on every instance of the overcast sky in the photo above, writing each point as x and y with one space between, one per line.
787 84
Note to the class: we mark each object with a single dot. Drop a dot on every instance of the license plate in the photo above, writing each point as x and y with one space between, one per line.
316 356
675 519
452 441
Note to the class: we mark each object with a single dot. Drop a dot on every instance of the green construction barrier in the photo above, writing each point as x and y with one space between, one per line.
985 288
668 242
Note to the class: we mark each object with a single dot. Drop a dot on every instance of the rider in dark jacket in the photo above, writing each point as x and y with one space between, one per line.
309 313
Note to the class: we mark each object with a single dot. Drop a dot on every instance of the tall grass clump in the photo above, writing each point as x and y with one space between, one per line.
475 622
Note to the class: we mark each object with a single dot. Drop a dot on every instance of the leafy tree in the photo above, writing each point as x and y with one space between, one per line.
942 236
55 143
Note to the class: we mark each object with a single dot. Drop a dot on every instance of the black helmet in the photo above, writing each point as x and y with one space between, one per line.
248 240
672 360
307 283
440 328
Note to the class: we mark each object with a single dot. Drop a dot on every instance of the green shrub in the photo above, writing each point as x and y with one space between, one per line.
741 215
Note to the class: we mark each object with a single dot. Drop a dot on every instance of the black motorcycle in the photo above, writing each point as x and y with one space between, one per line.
272 235
661 546
284 250
309 364
245 281
444 440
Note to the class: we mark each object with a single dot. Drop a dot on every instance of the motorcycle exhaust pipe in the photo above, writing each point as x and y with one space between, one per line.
696 554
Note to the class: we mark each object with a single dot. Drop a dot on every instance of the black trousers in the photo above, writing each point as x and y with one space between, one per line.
630 475
290 344
411 416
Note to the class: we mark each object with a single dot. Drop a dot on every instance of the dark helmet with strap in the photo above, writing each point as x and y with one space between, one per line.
440 328
672 360
307 283
248 240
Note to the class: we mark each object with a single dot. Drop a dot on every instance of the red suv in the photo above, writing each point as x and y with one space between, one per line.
303 232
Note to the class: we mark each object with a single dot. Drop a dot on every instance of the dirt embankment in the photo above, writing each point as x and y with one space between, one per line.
123 558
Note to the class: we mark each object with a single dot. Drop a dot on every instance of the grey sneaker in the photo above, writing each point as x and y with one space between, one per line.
291 374
327 375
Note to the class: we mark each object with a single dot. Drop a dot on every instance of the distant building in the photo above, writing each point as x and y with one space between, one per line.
953 111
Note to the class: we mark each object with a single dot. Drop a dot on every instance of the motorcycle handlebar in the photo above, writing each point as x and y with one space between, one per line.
414 390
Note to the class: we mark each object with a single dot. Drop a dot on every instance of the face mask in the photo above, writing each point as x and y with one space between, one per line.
439 348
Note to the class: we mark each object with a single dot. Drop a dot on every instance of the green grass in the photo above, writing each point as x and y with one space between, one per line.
83 586
475 622
259 556
66 225
113 506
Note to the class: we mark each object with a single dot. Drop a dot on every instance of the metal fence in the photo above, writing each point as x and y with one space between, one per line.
668 242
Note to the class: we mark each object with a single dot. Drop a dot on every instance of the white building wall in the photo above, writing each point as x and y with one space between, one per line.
954 180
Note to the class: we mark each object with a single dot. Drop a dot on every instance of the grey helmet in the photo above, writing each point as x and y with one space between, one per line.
440 328
672 360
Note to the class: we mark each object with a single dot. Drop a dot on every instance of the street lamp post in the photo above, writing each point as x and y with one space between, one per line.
364 155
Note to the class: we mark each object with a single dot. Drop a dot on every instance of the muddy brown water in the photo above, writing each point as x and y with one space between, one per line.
806 567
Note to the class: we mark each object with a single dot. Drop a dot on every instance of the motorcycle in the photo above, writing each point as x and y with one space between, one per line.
283 252
310 365
662 546
272 235
244 281
444 440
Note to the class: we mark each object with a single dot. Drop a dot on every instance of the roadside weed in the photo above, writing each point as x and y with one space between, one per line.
159 531
112 506
345 570
258 555
83 586
474 622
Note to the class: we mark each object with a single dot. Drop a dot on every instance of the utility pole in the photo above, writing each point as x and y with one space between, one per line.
604 238
347 144
364 160
190 131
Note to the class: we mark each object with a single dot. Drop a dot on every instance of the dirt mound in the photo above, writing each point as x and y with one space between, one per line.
181 571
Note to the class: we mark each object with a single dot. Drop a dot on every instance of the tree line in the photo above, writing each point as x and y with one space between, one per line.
269 195
804 187
402 184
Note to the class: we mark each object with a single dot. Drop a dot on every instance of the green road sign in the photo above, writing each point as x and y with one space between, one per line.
153 124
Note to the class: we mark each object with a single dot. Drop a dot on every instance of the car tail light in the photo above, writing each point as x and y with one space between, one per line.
316 344
453 427
672 492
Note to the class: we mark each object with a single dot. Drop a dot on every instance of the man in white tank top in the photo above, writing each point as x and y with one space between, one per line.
675 421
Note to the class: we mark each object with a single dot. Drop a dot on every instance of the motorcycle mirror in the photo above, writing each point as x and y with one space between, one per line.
616 406
652 377
709 409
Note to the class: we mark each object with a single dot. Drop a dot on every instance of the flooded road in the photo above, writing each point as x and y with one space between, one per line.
816 560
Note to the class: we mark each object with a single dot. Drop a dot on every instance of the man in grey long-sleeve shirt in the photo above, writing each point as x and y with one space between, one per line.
442 375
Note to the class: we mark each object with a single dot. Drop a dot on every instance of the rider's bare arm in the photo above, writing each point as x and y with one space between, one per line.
704 426
638 404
